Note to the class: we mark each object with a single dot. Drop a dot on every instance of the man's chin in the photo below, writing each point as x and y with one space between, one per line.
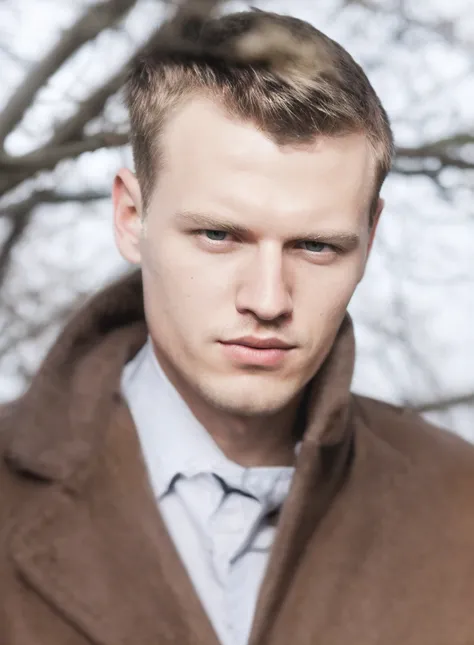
249 403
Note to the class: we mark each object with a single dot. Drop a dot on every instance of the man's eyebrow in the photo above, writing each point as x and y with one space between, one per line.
209 222
348 241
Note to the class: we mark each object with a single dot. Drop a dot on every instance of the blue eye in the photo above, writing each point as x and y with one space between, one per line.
314 247
215 236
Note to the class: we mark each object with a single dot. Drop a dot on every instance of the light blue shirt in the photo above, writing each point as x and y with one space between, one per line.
217 512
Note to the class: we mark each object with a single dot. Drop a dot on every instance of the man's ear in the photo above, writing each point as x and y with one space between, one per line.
127 202
375 221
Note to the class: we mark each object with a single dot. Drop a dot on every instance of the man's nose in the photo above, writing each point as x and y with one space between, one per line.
263 290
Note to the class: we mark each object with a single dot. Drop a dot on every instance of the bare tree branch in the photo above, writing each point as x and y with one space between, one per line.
22 212
444 160
71 130
446 152
48 158
51 197
97 18
87 110
453 141
419 170
18 227
166 33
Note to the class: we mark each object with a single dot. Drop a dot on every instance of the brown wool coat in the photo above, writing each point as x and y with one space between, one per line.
375 543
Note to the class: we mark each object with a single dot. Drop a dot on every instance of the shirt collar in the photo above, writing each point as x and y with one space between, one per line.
175 443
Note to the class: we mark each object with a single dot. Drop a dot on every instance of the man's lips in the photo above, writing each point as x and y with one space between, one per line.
250 350
260 343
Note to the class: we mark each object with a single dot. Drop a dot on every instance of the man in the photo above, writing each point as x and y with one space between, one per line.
189 465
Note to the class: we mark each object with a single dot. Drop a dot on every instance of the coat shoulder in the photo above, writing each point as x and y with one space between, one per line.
437 455
420 478
409 433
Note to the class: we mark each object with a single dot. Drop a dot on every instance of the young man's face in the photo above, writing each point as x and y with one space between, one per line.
245 241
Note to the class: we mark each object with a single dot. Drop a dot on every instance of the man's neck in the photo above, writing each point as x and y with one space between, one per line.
251 442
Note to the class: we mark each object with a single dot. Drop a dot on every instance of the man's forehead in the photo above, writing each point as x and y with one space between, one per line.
206 149
202 128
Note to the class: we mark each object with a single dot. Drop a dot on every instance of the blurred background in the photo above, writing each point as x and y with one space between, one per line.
63 134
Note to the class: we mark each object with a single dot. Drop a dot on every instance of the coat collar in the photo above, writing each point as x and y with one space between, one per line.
55 425
94 544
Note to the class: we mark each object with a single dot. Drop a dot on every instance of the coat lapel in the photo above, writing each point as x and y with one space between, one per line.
103 558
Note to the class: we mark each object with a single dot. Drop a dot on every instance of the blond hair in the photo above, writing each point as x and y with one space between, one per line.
278 72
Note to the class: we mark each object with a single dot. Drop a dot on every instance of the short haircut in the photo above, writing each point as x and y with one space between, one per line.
278 72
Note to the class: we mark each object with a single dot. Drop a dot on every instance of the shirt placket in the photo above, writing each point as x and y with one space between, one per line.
232 528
